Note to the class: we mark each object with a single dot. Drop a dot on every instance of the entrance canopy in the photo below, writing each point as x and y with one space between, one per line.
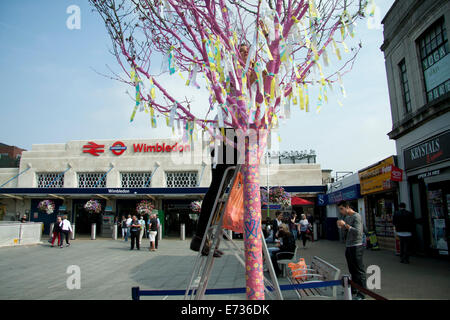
297 201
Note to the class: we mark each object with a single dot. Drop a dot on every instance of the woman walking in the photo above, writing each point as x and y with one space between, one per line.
153 227
57 231
293 225
304 229
66 229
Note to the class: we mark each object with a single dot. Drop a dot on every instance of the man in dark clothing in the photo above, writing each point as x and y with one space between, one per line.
353 227
218 169
404 224
135 229
275 225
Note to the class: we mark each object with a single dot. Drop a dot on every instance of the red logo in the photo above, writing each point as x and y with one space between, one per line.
93 148
118 148
396 174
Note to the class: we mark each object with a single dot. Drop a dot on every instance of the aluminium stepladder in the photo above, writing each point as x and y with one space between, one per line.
214 232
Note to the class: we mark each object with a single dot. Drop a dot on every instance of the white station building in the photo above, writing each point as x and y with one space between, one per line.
119 174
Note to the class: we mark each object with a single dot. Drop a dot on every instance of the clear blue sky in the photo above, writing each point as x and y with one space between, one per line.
50 93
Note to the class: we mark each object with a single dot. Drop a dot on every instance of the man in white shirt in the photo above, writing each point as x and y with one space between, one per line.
66 229
141 234
129 220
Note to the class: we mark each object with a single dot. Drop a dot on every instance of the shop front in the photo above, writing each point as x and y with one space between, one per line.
379 188
330 200
427 167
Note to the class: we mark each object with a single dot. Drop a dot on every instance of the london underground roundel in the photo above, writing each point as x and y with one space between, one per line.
118 148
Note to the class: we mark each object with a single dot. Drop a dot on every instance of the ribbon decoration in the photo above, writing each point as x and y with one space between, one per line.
135 79
172 67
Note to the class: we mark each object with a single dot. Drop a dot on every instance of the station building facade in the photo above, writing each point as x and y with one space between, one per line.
119 174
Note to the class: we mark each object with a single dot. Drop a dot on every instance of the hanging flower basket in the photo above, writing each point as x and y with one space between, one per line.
196 206
145 207
93 206
47 206
277 195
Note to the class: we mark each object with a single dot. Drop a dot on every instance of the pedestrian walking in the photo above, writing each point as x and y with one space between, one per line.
142 224
129 220
304 226
124 228
135 229
57 231
66 229
293 225
153 227
404 224
353 233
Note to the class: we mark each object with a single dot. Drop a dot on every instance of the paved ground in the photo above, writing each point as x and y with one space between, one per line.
109 270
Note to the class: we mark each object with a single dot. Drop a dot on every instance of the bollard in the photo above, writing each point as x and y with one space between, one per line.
114 233
159 235
52 225
72 234
347 288
315 231
182 232
93 231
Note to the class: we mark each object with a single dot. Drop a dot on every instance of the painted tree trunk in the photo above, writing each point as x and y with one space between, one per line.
252 229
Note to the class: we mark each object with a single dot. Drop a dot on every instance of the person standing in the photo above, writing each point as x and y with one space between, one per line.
57 231
157 231
404 224
353 233
135 229
142 224
66 229
153 227
304 228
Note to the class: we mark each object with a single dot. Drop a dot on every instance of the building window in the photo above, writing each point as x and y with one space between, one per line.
135 179
181 179
434 50
91 180
405 86
50 180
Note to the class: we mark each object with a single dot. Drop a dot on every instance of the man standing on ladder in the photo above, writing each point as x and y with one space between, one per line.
218 167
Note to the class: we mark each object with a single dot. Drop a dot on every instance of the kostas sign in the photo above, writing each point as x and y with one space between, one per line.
428 152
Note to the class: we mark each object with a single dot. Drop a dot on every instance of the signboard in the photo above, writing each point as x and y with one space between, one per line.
348 193
118 148
378 177
429 174
430 151
396 174
438 73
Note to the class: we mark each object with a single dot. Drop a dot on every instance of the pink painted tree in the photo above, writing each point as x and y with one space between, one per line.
257 57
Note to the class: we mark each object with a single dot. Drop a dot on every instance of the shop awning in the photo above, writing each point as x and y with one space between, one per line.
297 201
